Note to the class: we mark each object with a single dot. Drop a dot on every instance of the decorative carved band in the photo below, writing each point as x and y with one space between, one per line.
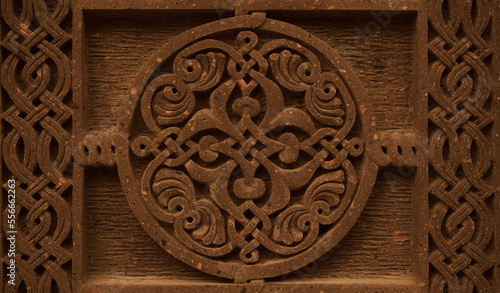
461 223
36 75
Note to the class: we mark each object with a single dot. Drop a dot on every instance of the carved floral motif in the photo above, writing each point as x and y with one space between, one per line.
237 169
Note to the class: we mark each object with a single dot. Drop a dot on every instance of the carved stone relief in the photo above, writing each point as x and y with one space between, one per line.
238 178
248 146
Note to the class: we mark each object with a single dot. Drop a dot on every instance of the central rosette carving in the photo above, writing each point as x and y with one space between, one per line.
251 148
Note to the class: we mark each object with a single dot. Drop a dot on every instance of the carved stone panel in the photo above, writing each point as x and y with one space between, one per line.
250 146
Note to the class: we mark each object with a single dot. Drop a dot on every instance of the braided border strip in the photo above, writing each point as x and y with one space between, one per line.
461 222
36 120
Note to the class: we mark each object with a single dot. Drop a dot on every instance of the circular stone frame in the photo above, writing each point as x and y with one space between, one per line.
240 271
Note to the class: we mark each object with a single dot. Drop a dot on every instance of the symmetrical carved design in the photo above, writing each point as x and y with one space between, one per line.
36 76
236 170
461 222
255 143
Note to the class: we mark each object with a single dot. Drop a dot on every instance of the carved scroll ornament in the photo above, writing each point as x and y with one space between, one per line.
242 183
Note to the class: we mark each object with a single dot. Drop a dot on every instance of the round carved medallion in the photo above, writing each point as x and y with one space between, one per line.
248 149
